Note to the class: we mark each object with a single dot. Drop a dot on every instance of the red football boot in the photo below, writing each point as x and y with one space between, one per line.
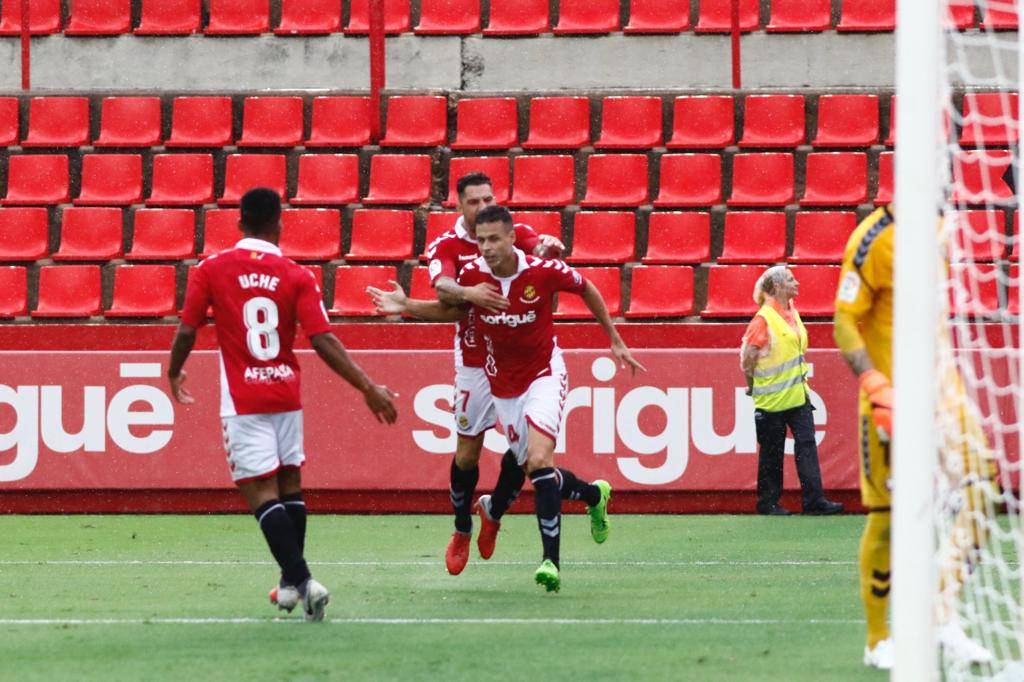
458 552
489 528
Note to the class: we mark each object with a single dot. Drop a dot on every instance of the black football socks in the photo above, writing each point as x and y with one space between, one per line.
549 510
296 508
507 489
575 489
463 485
280 534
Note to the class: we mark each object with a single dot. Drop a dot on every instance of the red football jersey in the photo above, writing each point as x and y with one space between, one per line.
446 257
520 342
258 296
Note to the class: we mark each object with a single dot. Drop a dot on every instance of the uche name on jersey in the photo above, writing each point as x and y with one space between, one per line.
259 281
510 320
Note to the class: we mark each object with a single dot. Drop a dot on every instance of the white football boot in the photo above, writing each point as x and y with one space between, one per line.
316 600
285 598
881 656
961 648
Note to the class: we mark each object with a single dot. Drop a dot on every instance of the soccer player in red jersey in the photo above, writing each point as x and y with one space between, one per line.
258 296
473 405
525 369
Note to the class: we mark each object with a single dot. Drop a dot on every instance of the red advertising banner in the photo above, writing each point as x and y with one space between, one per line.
104 421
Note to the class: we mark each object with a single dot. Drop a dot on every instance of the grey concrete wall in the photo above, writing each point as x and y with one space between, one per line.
819 60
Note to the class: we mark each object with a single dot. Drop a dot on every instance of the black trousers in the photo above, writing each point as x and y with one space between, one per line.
771 437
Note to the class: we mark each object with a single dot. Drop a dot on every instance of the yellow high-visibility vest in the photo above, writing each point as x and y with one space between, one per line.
780 377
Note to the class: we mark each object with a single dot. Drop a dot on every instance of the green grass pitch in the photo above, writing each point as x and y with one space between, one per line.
666 598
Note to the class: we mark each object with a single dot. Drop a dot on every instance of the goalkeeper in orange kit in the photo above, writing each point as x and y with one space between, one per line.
863 327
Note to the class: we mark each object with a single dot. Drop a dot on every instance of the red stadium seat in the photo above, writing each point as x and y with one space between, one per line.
111 180
238 17
690 180
518 17
1013 291
674 238
309 17
57 122
658 16
605 237
847 121
496 167
419 285
24 234
868 15
587 16
630 123
37 179
448 17
821 236
396 17
68 291
416 122
558 123
607 280
731 291
13 291
800 16
99 18
340 122
754 237
542 222
885 179
661 291
399 179
90 233
327 179
9 121
990 119
244 172
437 224
715 16
200 122
181 180
977 235
44 18
891 139
311 233
163 234
169 17
973 290
489 123
542 181
818 285
978 177
220 231
960 14
702 122
271 122
350 282
129 122
762 180
773 121
616 180
143 291
836 179
379 234
999 15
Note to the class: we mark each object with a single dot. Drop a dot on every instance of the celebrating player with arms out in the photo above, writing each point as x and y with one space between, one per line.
473 405
525 368
258 296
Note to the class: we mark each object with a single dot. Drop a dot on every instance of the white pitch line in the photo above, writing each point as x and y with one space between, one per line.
383 564
429 621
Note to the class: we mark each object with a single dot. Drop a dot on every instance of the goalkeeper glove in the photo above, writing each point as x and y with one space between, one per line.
879 390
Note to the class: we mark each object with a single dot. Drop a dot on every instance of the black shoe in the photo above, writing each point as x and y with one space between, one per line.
824 508
777 510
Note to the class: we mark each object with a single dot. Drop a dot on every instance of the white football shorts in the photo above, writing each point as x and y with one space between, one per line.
540 407
473 404
260 444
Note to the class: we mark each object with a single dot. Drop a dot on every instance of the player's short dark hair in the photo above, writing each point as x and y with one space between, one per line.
261 210
495 214
471 179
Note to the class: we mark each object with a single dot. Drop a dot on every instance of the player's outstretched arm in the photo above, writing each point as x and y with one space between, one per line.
378 398
184 340
396 302
592 297
874 383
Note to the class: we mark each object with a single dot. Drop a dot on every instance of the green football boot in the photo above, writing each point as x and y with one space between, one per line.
599 525
547 575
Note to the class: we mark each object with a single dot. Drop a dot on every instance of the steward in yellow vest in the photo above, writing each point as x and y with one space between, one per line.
773 362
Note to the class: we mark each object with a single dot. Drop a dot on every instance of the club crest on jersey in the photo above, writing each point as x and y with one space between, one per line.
510 320
434 268
529 294
255 255
463 422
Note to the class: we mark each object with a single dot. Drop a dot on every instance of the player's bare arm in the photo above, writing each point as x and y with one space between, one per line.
184 340
396 302
482 295
592 297
549 246
378 398
748 362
